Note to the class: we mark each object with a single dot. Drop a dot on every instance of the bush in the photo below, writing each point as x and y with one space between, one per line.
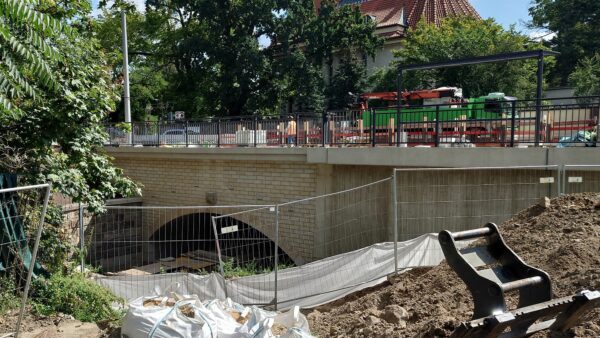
233 270
74 295
9 299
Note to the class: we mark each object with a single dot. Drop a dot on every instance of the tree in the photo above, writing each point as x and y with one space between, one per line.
211 61
586 77
465 37
310 39
26 48
349 78
59 135
575 25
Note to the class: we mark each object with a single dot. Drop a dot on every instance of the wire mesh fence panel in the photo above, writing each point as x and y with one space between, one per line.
431 200
325 226
581 179
247 246
147 244
22 211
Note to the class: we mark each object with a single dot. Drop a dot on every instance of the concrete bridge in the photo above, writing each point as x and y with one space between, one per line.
249 176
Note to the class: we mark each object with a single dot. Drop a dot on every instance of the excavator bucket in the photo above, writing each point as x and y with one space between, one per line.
491 270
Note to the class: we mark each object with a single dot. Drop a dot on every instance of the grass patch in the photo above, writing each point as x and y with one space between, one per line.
233 270
74 295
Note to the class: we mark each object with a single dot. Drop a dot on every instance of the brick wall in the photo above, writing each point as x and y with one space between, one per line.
181 182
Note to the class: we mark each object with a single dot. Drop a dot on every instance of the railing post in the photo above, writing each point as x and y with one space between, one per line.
538 110
399 130
513 121
218 133
158 133
324 127
373 127
132 134
437 126
187 143
598 123
276 259
297 129
255 127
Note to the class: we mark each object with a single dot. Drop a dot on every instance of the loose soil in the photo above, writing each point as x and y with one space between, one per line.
56 326
562 238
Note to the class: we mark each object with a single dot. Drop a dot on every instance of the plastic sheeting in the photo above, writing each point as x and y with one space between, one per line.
306 286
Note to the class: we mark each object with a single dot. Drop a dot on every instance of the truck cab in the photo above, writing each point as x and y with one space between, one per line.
492 106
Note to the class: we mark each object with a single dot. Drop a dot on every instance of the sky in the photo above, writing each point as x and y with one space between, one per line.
506 12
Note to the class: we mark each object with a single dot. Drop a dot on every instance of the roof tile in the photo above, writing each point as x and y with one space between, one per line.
393 12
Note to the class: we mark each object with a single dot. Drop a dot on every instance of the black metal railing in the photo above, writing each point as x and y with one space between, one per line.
563 122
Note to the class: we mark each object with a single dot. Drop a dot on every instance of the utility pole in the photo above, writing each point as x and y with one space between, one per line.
126 102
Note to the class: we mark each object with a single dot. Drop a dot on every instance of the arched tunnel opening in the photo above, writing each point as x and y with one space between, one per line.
189 243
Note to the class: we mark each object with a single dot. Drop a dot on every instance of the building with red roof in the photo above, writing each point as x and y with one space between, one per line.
395 17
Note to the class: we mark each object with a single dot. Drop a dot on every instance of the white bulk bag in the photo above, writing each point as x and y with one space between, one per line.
164 321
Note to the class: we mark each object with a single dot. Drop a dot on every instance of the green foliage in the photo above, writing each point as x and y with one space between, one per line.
334 31
9 299
74 295
54 249
586 77
350 77
234 270
25 35
576 25
61 137
204 57
464 37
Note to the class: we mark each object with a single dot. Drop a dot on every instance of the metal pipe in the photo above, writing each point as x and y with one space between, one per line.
513 120
399 107
81 238
538 104
518 284
276 259
373 127
470 234
126 98
437 126
221 270
297 129
255 127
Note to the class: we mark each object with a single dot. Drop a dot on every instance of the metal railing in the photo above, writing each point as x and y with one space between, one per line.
561 122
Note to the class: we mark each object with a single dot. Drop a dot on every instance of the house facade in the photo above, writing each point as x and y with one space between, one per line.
395 17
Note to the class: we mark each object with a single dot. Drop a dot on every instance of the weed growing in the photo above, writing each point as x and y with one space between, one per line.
9 298
74 295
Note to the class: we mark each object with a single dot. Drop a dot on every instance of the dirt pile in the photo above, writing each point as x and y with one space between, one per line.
562 238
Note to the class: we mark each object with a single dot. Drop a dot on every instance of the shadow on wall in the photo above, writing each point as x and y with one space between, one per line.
186 243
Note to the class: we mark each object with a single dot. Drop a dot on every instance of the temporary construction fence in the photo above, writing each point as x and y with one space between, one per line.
22 214
313 250
580 178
